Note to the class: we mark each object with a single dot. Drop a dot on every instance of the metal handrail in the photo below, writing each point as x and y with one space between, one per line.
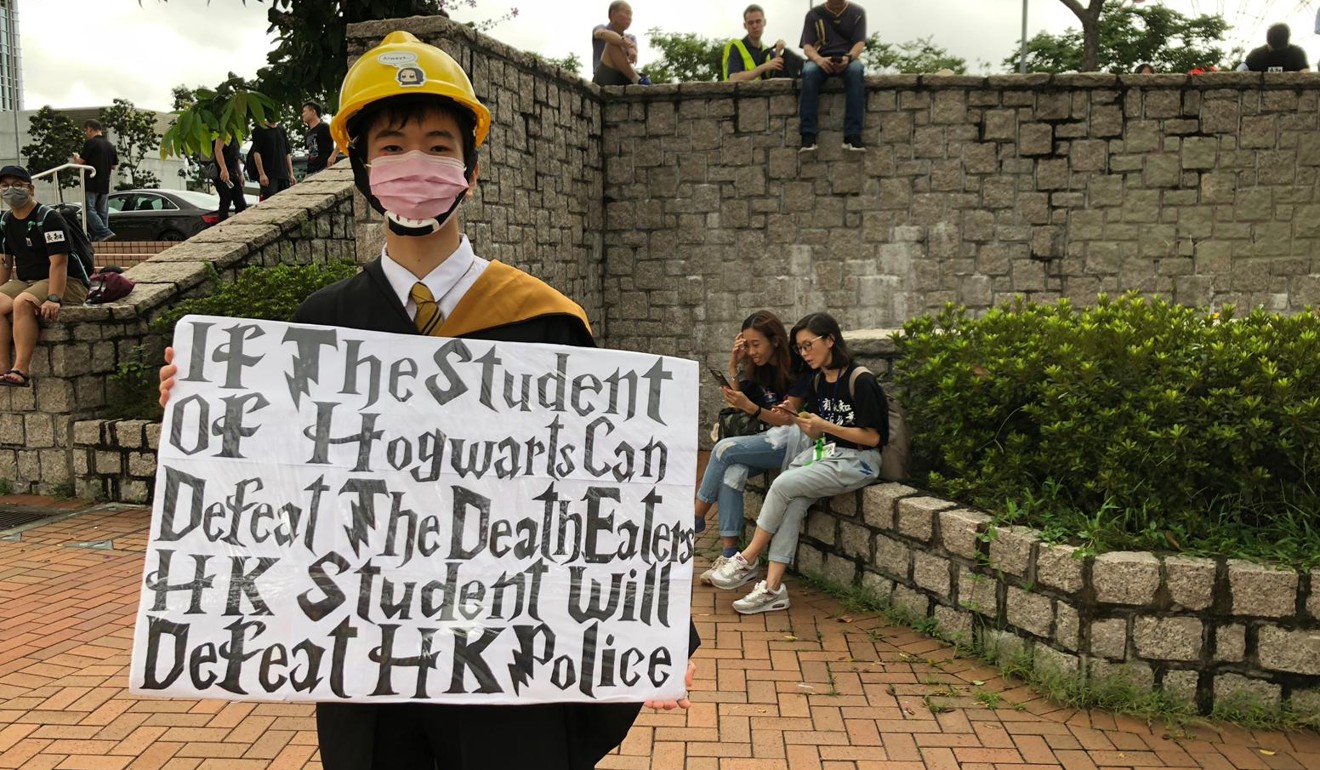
54 174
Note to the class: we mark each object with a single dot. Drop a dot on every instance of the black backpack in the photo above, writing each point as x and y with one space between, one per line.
79 246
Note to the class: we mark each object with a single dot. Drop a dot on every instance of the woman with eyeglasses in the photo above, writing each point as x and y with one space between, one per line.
762 376
848 422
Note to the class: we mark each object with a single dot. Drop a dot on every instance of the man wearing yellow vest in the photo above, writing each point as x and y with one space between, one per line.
747 59
411 124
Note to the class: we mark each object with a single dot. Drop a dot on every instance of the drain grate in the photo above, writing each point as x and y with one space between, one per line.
12 519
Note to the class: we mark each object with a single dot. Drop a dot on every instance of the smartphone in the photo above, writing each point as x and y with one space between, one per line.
223 182
719 377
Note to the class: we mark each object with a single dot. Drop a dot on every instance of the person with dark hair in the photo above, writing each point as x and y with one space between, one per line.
228 177
614 52
847 416
272 158
1277 55
762 375
1144 69
38 274
749 58
833 38
100 154
412 142
321 152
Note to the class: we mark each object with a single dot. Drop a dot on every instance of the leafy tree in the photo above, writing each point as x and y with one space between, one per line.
228 110
310 57
571 63
913 57
1089 15
55 138
1129 36
135 134
685 57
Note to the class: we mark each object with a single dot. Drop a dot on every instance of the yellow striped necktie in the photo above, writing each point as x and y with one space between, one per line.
428 318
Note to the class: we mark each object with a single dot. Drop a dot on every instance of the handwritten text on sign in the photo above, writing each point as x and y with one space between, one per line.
350 515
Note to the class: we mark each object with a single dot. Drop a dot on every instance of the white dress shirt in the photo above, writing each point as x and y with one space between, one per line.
448 282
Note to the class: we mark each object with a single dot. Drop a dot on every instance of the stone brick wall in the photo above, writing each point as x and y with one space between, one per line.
1204 631
539 198
1203 189
71 368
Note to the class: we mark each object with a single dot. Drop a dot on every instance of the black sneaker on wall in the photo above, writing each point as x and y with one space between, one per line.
854 144
808 143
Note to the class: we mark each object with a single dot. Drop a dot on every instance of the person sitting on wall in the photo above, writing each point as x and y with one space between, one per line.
749 58
1277 55
37 274
763 375
614 53
848 419
833 38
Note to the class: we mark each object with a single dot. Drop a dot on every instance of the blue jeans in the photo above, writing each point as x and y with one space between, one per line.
97 208
813 77
726 475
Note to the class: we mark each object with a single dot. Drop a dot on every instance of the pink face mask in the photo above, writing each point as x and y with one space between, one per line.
416 189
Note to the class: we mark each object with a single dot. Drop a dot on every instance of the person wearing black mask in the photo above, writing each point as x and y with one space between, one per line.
37 275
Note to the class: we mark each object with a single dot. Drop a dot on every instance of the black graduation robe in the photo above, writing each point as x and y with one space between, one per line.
506 305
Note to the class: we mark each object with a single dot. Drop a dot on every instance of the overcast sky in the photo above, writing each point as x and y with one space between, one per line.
81 53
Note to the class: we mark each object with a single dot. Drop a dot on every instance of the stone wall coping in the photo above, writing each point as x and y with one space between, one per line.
872 342
185 266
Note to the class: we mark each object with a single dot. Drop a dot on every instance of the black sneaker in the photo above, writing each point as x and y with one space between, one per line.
854 144
808 143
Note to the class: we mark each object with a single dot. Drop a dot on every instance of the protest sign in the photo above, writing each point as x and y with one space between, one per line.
357 516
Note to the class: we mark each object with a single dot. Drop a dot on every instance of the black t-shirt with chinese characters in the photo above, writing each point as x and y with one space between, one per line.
866 407
766 397
834 34
1288 59
32 244
98 153
319 145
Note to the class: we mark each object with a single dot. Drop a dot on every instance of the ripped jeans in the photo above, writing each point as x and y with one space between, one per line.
731 462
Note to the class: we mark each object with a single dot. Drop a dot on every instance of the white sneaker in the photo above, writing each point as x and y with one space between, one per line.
719 562
734 572
762 599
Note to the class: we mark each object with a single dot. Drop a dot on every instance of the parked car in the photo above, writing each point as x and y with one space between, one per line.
161 215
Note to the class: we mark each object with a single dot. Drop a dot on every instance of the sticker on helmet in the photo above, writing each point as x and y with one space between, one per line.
411 76
397 58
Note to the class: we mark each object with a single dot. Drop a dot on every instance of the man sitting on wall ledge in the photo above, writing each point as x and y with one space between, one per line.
37 276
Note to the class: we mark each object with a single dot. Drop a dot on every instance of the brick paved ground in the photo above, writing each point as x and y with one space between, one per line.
809 688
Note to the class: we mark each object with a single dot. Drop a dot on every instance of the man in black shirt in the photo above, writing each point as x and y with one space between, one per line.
833 38
98 153
321 151
37 274
274 162
1277 55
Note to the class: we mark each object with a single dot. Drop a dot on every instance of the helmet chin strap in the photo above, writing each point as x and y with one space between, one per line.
417 228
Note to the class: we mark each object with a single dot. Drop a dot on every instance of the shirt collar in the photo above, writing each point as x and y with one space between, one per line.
440 280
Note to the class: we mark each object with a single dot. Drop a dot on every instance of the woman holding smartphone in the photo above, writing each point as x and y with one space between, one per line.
848 421
761 382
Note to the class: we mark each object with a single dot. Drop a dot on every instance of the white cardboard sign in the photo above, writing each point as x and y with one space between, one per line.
358 516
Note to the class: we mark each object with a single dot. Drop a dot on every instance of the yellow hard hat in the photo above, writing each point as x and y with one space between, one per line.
403 65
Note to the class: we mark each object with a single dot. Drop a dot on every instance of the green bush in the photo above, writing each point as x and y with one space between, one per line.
264 293
1134 424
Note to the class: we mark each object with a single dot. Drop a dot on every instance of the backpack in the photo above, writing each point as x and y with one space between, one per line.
109 287
250 163
80 248
894 456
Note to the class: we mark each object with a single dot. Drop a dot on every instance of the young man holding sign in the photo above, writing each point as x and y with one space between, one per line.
411 124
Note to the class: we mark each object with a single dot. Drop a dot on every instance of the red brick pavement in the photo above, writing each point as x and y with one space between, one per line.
808 688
